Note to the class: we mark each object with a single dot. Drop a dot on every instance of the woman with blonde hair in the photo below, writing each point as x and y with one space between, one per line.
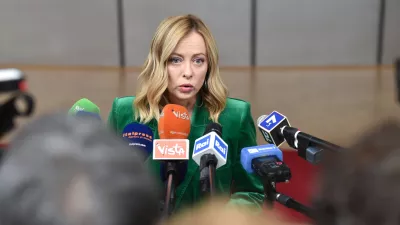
182 68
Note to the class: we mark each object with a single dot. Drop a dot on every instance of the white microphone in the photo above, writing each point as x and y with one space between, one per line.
210 152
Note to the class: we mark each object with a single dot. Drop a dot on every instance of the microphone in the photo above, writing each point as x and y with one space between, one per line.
140 137
276 129
270 125
172 148
267 162
210 152
85 108
174 122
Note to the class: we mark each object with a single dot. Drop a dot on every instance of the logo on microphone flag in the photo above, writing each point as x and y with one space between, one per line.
137 135
171 149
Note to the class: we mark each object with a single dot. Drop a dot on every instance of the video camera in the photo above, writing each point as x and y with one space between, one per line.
14 100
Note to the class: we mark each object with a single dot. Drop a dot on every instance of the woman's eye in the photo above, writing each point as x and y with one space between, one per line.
199 61
175 60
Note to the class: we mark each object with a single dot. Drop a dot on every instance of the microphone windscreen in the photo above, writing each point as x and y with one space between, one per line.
217 128
139 136
174 122
84 104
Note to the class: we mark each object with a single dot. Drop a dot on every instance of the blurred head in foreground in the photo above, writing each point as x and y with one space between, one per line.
217 212
361 186
67 170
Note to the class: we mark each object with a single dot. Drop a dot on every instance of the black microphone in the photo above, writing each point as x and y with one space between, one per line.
276 130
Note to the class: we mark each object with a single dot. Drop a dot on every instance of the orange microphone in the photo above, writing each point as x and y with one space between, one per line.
173 129
172 149
174 122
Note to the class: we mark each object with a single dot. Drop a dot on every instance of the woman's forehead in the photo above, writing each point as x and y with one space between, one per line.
192 43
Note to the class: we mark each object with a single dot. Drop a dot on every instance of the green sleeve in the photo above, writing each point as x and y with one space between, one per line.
248 187
112 117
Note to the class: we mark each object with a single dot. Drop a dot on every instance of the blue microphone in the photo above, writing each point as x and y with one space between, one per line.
266 161
139 136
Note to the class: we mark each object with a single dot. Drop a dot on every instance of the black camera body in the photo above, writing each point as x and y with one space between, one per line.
13 84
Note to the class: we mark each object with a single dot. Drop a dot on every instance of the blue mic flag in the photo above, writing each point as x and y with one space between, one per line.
139 136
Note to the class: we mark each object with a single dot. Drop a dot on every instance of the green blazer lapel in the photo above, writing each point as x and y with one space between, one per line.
199 121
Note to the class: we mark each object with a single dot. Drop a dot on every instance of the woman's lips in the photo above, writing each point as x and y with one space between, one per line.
186 88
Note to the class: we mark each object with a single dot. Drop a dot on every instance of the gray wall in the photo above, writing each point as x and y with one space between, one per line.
58 32
317 32
229 21
290 32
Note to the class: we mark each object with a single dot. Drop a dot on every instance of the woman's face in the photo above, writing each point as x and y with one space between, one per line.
187 68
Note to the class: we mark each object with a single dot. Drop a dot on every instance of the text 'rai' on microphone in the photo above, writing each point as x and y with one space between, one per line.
211 143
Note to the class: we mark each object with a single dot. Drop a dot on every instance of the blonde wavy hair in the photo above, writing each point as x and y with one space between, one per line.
153 80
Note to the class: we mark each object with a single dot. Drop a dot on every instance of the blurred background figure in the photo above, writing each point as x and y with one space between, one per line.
66 170
361 186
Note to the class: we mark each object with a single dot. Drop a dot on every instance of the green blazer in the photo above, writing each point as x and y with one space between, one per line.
238 131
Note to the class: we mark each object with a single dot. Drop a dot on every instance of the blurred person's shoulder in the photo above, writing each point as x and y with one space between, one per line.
217 211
